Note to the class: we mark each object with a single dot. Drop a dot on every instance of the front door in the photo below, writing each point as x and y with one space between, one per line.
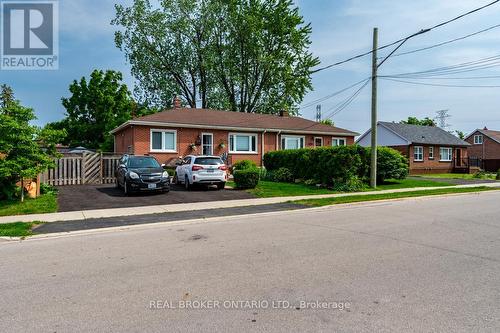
207 144
459 157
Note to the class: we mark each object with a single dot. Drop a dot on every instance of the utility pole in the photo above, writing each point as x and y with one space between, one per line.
375 66
373 170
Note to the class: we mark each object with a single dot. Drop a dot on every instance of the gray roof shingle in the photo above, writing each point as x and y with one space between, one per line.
424 134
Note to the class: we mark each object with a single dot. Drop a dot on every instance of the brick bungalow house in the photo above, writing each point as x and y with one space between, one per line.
485 146
182 131
429 149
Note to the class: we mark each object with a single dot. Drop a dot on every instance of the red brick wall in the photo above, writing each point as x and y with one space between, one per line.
139 138
429 165
489 150
123 140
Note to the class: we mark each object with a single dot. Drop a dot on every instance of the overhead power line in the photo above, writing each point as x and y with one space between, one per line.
441 85
402 40
447 42
324 98
479 64
341 106
445 78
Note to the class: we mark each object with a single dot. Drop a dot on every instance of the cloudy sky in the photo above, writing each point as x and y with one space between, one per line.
341 28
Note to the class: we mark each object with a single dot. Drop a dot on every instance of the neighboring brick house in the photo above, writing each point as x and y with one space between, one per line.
485 146
178 132
429 149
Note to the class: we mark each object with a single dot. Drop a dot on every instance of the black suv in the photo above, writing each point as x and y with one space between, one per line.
141 173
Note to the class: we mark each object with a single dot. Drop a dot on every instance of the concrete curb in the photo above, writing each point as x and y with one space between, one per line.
224 218
133 211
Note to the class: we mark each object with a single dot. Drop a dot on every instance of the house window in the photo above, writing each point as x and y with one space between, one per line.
445 154
318 142
339 142
478 139
431 153
418 153
292 142
242 143
207 143
164 141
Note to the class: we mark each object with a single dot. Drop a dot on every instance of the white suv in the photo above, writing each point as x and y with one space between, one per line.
208 170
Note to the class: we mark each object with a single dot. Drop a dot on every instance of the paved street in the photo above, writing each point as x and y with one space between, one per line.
420 265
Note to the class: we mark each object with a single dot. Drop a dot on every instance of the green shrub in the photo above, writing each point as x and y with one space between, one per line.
243 165
352 185
47 189
324 164
171 171
283 175
246 178
337 165
310 182
498 174
391 164
480 175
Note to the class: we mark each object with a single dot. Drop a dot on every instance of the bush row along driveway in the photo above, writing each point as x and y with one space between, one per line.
86 197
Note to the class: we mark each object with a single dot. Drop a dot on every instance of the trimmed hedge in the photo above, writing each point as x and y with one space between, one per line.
391 164
337 165
246 178
243 165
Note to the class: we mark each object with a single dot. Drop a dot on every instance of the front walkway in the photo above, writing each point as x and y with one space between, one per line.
159 209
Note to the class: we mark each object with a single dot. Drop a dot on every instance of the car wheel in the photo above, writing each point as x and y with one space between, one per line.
117 184
126 189
221 186
186 183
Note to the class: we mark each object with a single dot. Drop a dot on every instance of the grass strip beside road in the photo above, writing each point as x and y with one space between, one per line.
388 196
17 229
268 189
46 203
466 176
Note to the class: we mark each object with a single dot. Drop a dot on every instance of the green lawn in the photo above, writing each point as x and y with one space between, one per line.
409 183
46 203
267 189
491 176
386 196
17 229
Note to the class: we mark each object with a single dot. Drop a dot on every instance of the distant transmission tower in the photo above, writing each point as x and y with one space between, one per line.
318 113
441 117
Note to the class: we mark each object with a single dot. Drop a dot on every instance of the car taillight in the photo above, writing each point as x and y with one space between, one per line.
223 168
196 168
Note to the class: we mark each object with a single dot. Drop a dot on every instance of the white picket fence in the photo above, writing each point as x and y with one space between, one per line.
77 169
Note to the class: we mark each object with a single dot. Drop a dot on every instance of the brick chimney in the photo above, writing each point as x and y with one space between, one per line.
177 102
283 113
485 128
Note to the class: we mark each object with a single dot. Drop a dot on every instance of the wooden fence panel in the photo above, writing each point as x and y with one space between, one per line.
76 169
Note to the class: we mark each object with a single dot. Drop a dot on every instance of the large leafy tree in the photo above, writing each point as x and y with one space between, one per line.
242 55
25 150
96 106
422 122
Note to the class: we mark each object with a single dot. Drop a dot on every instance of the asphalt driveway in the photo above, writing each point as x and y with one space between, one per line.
85 197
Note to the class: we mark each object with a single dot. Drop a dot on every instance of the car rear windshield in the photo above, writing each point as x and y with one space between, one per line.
142 162
208 161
